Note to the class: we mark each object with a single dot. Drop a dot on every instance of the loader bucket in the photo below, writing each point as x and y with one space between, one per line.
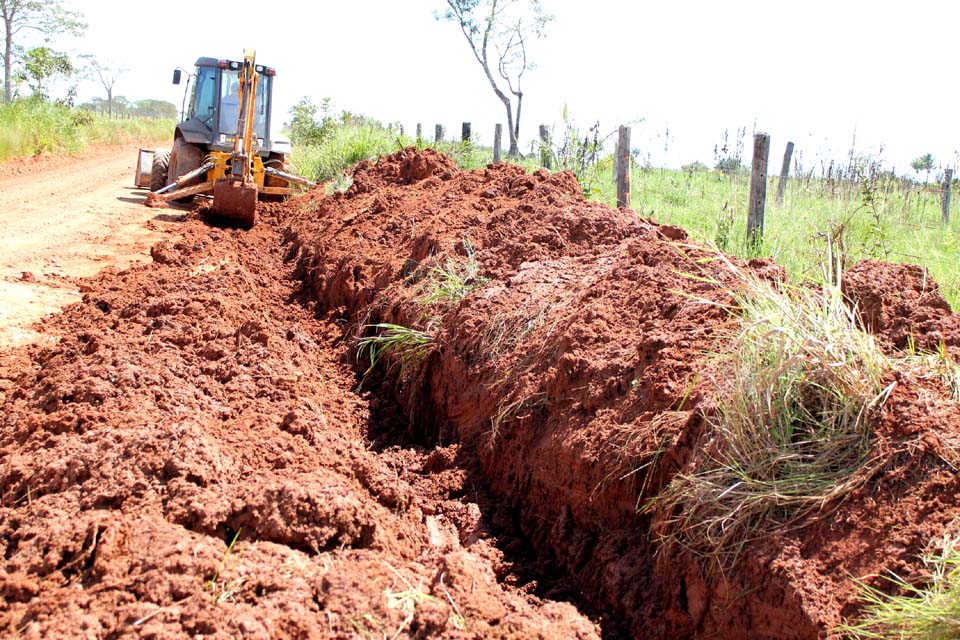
235 202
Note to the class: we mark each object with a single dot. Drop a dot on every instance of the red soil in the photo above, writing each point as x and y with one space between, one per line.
211 393
580 374
194 399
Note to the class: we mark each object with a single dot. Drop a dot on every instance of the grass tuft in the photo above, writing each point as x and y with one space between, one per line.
451 283
793 429
411 346
930 612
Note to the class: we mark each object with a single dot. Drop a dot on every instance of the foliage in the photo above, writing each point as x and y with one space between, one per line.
41 65
345 146
108 75
577 151
923 163
123 108
927 612
48 17
695 167
792 434
729 164
304 127
506 26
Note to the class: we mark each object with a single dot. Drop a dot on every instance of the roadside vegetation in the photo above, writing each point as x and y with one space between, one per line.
32 126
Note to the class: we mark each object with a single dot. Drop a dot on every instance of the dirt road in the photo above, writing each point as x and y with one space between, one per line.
69 220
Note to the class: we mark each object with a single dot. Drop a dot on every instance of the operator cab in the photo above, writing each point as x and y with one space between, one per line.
214 108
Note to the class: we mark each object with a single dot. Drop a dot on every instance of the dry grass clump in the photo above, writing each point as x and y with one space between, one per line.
793 429
931 611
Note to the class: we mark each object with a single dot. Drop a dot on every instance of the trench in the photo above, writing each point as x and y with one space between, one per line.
391 426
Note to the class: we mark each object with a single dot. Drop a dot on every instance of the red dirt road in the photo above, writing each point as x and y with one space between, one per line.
66 219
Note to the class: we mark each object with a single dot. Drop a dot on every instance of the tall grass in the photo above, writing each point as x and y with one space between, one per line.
928 612
29 127
343 147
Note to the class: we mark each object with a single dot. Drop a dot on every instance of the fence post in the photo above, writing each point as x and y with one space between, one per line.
758 188
947 180
419 132
438 134
784 173
497 140
465 132
545 160
622 167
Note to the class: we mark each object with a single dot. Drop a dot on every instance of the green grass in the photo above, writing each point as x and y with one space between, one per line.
29 127
345 146
410 346
927 612
799 386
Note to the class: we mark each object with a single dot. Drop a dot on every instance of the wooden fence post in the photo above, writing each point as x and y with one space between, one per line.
545 155
758 188
784 173
947 180
438 134
465 132
622 167
419 132
497 141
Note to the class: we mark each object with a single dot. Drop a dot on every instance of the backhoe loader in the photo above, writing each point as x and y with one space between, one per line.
223 146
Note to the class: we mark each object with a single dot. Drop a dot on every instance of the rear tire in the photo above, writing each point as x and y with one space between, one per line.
159 169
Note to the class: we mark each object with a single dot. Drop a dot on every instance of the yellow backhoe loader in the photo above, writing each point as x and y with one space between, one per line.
223 146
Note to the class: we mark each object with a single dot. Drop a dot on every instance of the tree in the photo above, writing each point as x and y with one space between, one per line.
48 17
41 66
108 75
155 109
923 163
506 26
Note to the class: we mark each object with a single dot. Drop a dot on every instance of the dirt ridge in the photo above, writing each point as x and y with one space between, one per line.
598 395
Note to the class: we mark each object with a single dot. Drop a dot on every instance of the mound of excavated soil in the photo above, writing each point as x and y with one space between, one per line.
487 489
579 371
196 401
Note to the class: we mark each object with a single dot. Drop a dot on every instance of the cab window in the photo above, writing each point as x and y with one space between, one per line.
205 93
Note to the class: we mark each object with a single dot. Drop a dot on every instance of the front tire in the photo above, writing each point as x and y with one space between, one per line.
159 170
184 158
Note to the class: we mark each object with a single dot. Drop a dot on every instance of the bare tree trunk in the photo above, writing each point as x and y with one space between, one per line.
7 61
515 134
110 101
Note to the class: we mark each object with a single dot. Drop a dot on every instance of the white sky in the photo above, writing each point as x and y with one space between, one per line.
813 72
